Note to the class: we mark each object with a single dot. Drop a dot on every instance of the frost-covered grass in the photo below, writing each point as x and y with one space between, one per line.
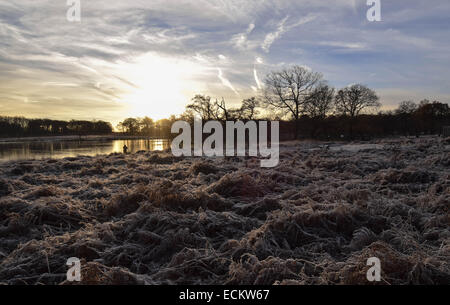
155 219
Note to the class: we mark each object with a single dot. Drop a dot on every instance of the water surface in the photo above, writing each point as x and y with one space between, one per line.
26 150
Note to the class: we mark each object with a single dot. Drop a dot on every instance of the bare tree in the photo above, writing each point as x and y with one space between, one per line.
320 102
227 114
405 112
406 108
208 110
203 106
318 105
248 108
288 89
352 100
247 111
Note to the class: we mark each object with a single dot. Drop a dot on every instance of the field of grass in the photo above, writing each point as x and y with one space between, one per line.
151 218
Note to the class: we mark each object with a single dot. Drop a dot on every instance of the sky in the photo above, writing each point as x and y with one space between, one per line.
139 58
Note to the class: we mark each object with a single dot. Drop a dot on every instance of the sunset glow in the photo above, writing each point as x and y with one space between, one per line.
150 58
159 86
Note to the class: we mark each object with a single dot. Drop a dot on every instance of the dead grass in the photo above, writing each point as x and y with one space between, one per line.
150 218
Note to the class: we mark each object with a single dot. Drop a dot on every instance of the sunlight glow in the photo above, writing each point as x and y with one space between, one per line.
163 85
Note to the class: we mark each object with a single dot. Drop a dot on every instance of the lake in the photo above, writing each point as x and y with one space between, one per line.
25 150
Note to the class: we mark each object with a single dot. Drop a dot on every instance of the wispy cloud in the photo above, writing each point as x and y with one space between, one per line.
272 36
240 40
225 81
215 47
258 83
282 28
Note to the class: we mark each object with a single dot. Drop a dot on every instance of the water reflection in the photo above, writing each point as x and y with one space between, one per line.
63 149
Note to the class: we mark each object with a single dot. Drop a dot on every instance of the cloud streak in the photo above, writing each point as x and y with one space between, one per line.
49 63
258 83
225 81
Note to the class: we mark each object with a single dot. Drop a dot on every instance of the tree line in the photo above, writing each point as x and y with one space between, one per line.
320 121
307 107
147 127
319 111
23 127
304 103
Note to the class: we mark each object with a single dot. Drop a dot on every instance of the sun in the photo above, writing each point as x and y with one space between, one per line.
161 86
157 101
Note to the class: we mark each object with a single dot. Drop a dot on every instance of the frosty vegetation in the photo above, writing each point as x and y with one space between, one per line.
151 218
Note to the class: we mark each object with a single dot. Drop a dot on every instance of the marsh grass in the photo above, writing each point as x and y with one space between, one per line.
150 218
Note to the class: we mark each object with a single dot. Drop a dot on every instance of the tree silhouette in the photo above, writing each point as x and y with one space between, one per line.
248 110
352 100
129 126
320 102
203 106
146 126
288 89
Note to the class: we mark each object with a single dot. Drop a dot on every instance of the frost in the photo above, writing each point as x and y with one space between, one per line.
151 218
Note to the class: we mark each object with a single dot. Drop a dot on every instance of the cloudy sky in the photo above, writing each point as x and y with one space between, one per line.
150 57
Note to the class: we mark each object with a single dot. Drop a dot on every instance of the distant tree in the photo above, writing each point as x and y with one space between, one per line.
163 128
20 126
227 114
405 115
406 108
353 100
75 127
248 110
101 127
424 102
320 102
146 126
188 116
318 105
432 115
204 107
129 126
288 89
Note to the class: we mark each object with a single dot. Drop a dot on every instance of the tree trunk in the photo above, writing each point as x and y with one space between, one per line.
351 128
296 129
296 120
